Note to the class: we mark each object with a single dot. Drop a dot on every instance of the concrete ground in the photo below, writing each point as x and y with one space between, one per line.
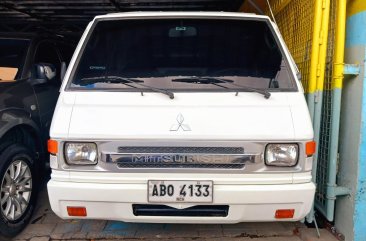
46 226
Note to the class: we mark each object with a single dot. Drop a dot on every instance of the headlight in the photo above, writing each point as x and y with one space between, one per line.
81 153
284 155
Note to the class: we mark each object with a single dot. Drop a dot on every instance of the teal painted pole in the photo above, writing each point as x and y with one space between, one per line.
337 83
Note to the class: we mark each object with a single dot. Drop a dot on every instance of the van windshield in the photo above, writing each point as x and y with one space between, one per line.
173 54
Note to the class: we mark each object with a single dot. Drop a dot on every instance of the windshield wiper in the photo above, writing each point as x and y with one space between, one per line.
126 81
93 80
218 81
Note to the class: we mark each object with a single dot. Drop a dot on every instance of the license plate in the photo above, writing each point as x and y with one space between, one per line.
180 191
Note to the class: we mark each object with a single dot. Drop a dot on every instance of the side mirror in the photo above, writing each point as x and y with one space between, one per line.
63 70
43 72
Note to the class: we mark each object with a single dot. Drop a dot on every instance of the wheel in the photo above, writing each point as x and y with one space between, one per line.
18 190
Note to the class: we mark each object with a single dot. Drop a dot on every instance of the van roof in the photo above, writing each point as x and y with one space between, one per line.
181 14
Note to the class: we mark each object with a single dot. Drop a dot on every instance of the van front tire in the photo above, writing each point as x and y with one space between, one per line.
18 189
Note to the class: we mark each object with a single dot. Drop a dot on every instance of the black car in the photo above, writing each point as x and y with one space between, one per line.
31 69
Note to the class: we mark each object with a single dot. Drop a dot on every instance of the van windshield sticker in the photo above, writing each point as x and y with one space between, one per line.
180 28
97 67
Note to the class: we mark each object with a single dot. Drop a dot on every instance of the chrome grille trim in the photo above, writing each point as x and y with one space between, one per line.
179 160
170 149
207 166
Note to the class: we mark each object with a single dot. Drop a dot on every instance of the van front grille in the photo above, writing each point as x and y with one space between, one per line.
180 149
180 157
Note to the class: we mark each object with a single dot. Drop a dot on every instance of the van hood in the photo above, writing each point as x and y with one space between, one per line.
189 116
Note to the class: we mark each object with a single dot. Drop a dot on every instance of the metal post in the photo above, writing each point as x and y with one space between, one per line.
336 108
314 57
317 72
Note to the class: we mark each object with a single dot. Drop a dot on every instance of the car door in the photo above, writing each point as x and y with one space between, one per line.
47 93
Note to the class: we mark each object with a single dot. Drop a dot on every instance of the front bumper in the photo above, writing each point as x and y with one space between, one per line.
247 203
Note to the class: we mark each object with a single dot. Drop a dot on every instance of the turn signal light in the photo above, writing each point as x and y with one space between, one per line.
52 146
284 213
310 148
76 211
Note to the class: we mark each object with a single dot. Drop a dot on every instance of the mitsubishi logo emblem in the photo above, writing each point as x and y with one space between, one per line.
180 125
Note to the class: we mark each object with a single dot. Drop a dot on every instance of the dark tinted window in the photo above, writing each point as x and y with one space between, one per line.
13 53
157 51
66 51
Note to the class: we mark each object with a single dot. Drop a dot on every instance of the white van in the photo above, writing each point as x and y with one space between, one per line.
181 117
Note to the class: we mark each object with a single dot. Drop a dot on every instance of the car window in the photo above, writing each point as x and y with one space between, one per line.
158 51
12 56
47 53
